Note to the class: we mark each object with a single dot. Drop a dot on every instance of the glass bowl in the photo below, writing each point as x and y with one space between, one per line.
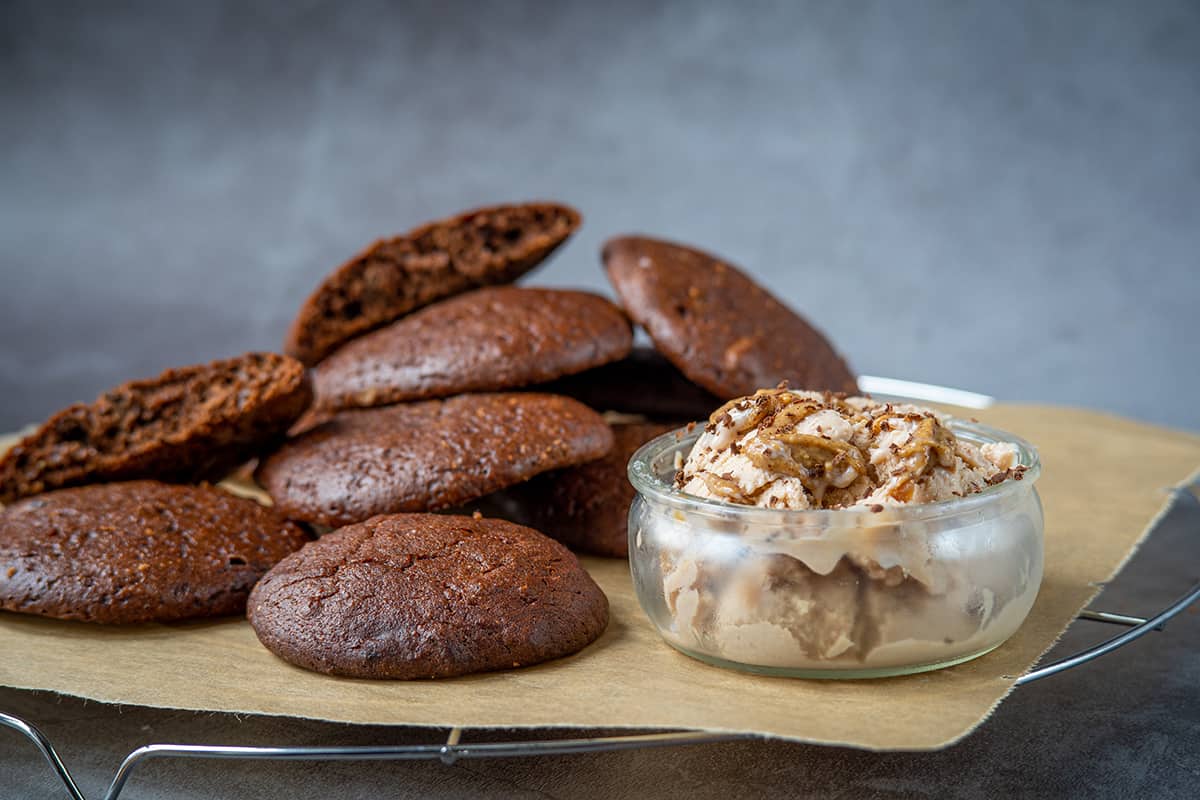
834 593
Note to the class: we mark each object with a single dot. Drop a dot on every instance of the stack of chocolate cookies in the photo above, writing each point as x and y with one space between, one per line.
436 386
418 347
110 517
494 389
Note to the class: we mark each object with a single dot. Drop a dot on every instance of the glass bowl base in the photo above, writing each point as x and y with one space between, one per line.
832 672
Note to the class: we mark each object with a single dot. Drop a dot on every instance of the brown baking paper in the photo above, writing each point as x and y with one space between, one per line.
1104 482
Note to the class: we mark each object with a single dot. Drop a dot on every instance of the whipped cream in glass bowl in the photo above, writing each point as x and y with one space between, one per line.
817 535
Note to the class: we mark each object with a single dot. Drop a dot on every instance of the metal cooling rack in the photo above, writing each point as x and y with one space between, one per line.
453 748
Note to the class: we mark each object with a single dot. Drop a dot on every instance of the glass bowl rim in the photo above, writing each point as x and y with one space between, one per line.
648 485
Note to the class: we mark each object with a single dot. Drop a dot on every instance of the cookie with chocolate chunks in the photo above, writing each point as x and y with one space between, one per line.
187 425
428 455
395 276
720 328
427 596
137 551
498 337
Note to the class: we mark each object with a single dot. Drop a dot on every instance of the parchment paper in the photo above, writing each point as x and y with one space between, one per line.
1104 482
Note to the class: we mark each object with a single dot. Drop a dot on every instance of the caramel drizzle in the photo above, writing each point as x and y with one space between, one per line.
776 413
727 488
812 460
931 439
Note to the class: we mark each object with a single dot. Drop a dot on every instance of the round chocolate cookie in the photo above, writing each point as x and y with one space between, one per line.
427 596
643 383
428 455
499 337
395 276
187 425
587 507
720 328
140 551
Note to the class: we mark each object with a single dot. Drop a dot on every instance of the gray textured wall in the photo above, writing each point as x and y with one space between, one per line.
1003 197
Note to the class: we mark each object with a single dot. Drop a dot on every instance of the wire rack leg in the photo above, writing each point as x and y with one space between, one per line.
43 745
1154 623
450 749
1182 494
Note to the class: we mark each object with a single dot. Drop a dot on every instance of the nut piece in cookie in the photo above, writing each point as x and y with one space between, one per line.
722 330
395 276
428 455
186 425
138 551
427 596
498 337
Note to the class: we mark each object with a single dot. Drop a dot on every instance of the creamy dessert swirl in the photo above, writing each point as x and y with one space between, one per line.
874 593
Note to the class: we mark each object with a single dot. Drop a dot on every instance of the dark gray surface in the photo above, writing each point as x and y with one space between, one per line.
999 196
1127 726
1004 197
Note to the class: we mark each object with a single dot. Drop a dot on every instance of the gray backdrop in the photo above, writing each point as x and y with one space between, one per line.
1000 197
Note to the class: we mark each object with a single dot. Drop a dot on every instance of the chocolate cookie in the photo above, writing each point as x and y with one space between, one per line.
140 551
188 424
499 337
720 328
643 383
395 276
587 507
427 596
428 455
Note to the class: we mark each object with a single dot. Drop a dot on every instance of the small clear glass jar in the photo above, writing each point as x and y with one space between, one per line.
835 593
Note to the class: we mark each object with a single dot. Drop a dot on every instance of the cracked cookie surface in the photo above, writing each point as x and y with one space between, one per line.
495 338
140 551
720 328
587 507
427 596
428 455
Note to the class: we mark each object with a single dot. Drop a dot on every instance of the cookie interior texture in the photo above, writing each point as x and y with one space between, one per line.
395 276
494 338
720 328
137 551
428 455
427 596
188 424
